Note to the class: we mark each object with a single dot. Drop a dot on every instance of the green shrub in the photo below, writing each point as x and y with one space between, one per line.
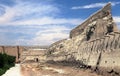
2 71
6 61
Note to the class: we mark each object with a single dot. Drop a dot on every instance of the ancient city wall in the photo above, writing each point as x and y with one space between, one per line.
12 50
31 55
101 18
94 43
107 44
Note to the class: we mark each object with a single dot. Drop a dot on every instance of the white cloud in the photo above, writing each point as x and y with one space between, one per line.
117 19
51 35
37 21
24 13
47 36
46 21
7 16
94 5
24 9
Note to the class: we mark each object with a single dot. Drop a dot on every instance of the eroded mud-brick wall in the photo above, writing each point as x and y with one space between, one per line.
12 50
98 24
33 55
95 43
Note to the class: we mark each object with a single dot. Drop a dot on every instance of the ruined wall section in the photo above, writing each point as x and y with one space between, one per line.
12 50
101 51
102 25
98 23
33 55
64 50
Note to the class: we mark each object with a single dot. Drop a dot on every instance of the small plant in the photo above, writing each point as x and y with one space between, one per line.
6 61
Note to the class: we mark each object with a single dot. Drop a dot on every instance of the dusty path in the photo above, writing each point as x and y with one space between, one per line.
53 70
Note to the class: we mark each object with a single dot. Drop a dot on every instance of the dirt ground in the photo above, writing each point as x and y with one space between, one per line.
35 69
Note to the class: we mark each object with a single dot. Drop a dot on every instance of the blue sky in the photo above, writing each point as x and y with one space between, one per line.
42 22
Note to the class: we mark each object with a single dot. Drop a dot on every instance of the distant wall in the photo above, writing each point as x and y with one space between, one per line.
32 55
12 50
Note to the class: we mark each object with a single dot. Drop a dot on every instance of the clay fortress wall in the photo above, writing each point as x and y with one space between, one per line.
94 43
12 50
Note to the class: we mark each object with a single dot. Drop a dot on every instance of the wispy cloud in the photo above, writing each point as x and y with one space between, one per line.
25 10
44 36
117 20
28 23
24 13
51 34
94 5
47 21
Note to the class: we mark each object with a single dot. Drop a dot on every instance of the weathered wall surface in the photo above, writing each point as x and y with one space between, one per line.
33 56
106 51
12 50
102 19
25 53
94 43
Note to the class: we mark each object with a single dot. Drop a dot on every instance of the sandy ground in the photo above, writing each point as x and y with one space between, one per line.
53 70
